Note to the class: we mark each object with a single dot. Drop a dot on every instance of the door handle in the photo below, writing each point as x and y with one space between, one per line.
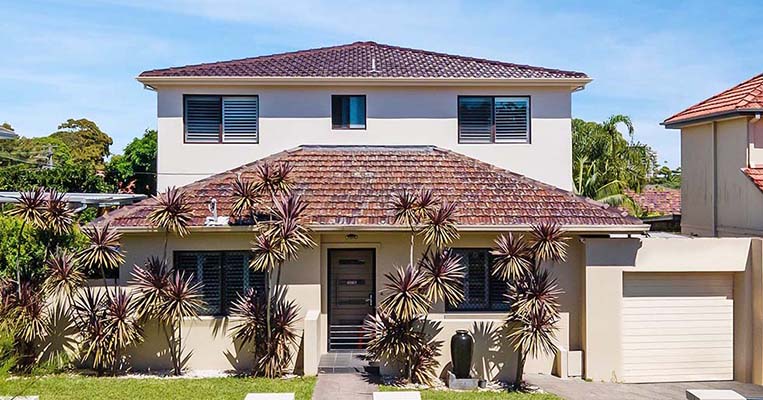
370 300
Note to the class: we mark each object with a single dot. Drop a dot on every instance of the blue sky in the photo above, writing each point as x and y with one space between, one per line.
648 59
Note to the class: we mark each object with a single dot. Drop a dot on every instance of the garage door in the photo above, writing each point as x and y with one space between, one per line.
678 327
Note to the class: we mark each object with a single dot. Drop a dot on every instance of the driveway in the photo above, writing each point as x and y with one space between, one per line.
576 389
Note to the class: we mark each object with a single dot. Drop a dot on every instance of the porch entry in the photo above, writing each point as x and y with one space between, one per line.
351 291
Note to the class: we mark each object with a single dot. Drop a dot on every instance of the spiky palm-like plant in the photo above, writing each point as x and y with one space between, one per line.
443 276
407 299
30 209
172 213
182 299
272 356
512 257
246 198
150 281
440 226
533 293
89 316
103 252
274 179
57 215
32 321
121 325
64 275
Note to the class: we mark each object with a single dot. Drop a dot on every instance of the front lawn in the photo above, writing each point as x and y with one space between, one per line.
476 395
73 387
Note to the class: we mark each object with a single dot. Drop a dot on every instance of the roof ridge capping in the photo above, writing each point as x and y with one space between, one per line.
398 62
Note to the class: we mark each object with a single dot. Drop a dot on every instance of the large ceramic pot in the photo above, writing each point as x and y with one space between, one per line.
461 347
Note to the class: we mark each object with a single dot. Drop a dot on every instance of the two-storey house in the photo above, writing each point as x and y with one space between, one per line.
360 122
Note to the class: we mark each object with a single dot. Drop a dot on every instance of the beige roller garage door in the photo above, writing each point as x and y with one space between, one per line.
678 327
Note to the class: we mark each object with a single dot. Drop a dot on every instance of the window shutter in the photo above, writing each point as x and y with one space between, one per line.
202 119
512 118
240 119
475 119
236 268
205 268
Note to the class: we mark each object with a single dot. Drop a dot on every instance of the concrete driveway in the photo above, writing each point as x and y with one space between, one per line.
576 389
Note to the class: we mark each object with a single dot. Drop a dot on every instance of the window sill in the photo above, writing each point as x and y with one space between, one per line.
475 315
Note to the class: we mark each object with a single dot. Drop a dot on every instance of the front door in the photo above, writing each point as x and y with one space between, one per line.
351 296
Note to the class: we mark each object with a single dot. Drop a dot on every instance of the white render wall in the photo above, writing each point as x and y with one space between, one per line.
291 116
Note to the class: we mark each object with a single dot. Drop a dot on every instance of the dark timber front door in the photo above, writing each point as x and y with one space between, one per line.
351 296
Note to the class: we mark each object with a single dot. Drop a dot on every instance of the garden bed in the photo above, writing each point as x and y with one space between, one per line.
75 387
445 394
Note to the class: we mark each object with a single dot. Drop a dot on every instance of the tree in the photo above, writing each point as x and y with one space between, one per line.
89 142
616 161
7 126
664 176
136 168
76 178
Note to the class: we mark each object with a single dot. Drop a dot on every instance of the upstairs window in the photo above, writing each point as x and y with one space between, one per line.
221 119
486 119
482 290
348 111
224 274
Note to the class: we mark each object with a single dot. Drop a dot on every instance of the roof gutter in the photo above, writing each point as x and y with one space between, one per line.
153 81
711 117
599 229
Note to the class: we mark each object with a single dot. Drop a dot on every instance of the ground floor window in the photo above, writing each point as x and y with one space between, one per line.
482 290
224 274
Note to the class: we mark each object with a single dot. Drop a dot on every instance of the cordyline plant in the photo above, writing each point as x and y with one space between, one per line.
279 239
164 295
172 213
532 291
397 332
30 209
103 252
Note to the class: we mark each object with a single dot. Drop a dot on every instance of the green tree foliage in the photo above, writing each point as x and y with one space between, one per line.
33 246
605 162
136 169
75 178
6 125
664 176
90 143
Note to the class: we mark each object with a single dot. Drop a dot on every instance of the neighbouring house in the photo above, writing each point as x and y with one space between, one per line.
6 133
722 162
361 121
660 207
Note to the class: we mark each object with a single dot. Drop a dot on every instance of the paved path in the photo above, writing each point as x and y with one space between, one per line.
576 389
343 387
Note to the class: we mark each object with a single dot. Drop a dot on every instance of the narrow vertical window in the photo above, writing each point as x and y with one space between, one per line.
348 111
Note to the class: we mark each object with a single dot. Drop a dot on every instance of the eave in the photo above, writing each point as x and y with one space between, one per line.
711 117
154 81
571 229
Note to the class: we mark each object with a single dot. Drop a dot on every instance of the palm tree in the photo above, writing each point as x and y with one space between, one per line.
64 275
532 292
172 213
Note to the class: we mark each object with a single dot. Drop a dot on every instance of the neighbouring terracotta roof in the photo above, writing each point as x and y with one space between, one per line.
658 199
756 175
746 96
353 185
363 60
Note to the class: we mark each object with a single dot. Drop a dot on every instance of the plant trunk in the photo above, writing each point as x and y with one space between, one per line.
269 303
521 358
166 239
18 257
170 342
179 348
413 235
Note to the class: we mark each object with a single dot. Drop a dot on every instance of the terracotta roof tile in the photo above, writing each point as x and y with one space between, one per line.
353 185
756 175
658 199
746 96
363 60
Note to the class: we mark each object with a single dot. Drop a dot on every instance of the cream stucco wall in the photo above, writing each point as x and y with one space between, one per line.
211 347
293 116
717 199
607 260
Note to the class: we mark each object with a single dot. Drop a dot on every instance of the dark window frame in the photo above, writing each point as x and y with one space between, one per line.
455 309
492 129
224 311
220 129
348 128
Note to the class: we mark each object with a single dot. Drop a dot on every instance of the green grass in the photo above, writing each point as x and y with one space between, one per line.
73 387
476 395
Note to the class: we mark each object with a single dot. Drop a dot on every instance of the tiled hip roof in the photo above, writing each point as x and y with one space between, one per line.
353 185
744 97
364 60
